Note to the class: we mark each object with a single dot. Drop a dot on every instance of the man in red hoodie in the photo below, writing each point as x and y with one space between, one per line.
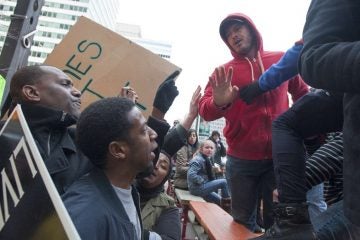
249 167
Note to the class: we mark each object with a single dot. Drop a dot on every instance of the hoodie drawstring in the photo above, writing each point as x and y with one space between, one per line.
252 68
261 63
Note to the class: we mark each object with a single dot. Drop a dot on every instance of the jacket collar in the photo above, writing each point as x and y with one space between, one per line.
39 116
104 186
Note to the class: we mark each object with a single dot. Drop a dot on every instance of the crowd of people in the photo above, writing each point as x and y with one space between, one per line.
291 169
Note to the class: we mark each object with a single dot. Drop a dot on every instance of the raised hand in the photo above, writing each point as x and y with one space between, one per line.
166 93
193 109
223 91
128 92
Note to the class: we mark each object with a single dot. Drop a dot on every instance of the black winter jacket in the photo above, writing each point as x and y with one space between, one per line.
55 140
330 60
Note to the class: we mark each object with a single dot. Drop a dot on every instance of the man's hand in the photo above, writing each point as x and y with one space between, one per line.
194 103
250 92
193 109
223 92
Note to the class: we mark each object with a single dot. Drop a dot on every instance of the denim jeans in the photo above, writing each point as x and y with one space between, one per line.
245 179
333 225
315 200
315 113
209 190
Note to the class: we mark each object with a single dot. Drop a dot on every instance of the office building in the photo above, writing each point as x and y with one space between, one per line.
57 16
133 32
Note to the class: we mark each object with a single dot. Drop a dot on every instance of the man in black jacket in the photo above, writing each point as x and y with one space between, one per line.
51 105
115 136
330 60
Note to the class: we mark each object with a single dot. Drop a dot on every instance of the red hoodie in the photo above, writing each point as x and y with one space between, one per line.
248 127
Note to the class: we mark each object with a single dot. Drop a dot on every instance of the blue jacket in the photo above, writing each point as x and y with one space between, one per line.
197 174
283 70
96 210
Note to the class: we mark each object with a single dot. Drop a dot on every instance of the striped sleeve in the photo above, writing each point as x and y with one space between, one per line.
326 162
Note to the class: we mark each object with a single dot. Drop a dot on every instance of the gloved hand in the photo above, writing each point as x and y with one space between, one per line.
166 93
251 91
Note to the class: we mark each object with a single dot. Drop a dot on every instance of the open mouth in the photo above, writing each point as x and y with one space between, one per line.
152 156
77 103
238 42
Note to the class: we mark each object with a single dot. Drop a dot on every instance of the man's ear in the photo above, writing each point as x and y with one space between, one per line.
31 93
119 149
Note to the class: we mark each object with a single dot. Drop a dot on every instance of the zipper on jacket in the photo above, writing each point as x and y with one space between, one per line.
268 145
48 144
262 70
63 116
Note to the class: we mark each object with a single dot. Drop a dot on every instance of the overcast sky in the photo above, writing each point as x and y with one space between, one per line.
191 27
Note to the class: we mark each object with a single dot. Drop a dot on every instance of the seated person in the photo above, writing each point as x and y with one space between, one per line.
201 179
158 210
183 157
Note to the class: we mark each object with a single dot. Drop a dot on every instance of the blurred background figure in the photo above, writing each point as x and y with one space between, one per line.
183 157
220 151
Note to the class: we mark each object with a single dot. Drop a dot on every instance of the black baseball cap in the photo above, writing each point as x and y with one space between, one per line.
227 23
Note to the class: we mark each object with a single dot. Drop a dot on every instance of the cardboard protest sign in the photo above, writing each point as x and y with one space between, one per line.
30 206
101 62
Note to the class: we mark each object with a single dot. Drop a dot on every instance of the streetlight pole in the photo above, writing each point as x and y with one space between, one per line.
18 41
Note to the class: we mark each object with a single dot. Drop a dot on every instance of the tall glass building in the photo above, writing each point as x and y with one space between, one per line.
133 32
57 16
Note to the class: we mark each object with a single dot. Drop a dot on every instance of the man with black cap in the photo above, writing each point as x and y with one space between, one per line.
249 168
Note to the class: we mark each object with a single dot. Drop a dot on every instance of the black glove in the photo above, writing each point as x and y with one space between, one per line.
251 91
166 93
174 140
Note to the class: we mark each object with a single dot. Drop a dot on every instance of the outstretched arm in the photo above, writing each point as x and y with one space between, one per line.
283 70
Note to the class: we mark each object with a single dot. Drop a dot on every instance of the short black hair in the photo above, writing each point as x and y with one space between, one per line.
215 133
28 75
101 123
